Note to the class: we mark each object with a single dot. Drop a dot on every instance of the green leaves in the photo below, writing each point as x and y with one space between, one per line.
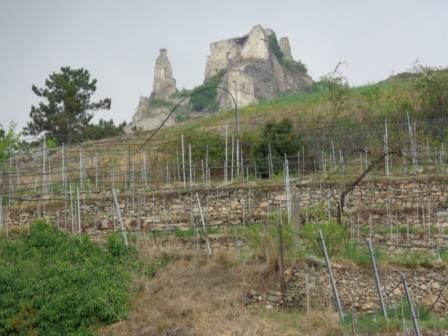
335 236
282 140
432 88
66 109
9 140
54 284
338 91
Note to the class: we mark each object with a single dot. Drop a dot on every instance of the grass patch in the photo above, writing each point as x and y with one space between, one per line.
315 323
358 254
56 284
375 324
186 233
414 260
335 236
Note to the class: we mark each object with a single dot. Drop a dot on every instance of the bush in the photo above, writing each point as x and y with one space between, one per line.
432 88
55 284
116 246
282 140
200 141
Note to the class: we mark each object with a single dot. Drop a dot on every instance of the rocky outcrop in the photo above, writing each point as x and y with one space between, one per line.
256 66
149 116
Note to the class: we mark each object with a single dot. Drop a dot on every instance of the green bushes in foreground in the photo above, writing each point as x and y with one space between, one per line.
55 284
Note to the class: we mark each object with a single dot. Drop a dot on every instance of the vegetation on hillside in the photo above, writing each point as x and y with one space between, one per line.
291 65
158 102
104 129
278 140
56 284
338 119
206 99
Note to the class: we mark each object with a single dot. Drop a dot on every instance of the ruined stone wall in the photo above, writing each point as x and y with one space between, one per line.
222 53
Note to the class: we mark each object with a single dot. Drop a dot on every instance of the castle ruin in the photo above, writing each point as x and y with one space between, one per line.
253 67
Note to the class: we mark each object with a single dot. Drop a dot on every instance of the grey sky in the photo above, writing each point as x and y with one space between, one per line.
118 41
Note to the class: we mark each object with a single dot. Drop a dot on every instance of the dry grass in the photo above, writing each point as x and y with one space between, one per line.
194 295
197 296
314 323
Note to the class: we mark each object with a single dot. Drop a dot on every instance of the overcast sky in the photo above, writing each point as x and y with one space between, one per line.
118 41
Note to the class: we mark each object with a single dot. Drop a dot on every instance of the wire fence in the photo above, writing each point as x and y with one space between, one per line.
172 162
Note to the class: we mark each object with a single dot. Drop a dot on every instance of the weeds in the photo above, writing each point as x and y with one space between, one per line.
159 263
334 234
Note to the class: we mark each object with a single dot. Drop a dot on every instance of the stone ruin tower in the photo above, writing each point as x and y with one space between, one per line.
150 111
164 82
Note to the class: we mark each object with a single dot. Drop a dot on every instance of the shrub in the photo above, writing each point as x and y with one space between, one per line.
432 89
116 246
282 140
200 141
55 284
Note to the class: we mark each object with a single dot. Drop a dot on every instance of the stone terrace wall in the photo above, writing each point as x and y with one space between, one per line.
356 288
415 203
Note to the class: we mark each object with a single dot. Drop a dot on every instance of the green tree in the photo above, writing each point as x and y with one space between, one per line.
67 106
338 92
432 89
9 140
282 140
104 129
